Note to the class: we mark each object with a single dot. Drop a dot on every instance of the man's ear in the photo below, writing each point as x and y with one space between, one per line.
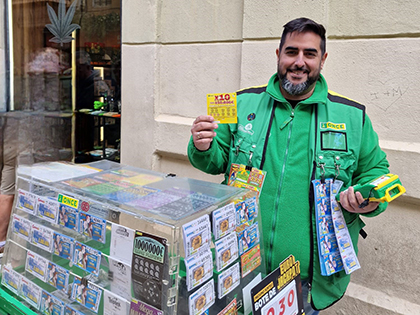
323 60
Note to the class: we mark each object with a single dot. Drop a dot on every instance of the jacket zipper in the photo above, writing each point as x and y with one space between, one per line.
311 205
289 120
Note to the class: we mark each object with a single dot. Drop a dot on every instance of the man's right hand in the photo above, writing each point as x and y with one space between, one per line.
202 132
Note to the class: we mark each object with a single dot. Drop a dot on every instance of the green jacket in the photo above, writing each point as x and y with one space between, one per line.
291 144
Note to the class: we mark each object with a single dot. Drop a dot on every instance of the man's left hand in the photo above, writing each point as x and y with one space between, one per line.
351 202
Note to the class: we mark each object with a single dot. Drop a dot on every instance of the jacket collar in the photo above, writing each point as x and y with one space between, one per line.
319 95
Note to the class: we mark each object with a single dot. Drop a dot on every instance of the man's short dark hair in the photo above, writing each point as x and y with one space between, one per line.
302 25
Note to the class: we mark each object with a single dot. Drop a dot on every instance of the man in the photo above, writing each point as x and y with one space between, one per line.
297 131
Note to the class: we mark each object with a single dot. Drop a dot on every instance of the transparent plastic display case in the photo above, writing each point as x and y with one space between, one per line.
104 238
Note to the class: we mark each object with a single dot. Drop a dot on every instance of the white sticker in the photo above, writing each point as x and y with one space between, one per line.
121 277
122 240
114 305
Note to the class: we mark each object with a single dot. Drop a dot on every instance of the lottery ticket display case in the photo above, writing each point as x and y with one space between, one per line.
104 238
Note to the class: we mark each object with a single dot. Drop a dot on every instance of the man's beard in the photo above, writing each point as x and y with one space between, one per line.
296 89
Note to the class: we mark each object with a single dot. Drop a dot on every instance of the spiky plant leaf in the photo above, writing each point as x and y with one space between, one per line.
61 26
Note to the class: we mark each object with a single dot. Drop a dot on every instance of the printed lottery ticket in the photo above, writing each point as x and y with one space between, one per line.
228 280
197 235
226 251
199 268
202 299
224 220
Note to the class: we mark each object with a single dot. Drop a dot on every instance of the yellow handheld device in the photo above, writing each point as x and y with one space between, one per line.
383 189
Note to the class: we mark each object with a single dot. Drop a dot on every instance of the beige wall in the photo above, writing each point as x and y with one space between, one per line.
175 52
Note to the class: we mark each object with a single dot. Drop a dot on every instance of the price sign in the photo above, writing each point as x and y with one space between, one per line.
284 303
280 293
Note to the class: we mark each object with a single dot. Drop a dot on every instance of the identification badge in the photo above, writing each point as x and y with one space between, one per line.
222 107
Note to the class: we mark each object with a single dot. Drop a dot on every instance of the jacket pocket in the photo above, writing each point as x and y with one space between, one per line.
338 165
242 149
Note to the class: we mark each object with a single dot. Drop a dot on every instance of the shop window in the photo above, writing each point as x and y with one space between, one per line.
66 76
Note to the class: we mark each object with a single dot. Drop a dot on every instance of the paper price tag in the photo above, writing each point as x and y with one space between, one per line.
284 303
222 107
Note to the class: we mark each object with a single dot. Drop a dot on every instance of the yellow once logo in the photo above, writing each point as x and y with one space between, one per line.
74 203
330 125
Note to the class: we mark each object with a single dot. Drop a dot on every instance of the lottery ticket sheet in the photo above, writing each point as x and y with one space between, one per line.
224 220
201 300
197 235
199 269
228 280
226 250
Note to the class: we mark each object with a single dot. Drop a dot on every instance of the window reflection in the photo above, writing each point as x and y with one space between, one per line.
56 78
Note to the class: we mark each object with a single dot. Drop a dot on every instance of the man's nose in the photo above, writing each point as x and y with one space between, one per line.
299 61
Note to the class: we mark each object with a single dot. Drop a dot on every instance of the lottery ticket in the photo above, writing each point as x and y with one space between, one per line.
197 235
50 305
47 209
147 268
63 246
30 292
248 238
114 305
224 220
199 269
202 299
226 251
26 201
228 280
42 237
87 294
21 227
222 107
36 265
58 276
11 279
87 258
92 227
68 217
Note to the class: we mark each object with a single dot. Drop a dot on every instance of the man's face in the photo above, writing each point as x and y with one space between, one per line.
299 64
